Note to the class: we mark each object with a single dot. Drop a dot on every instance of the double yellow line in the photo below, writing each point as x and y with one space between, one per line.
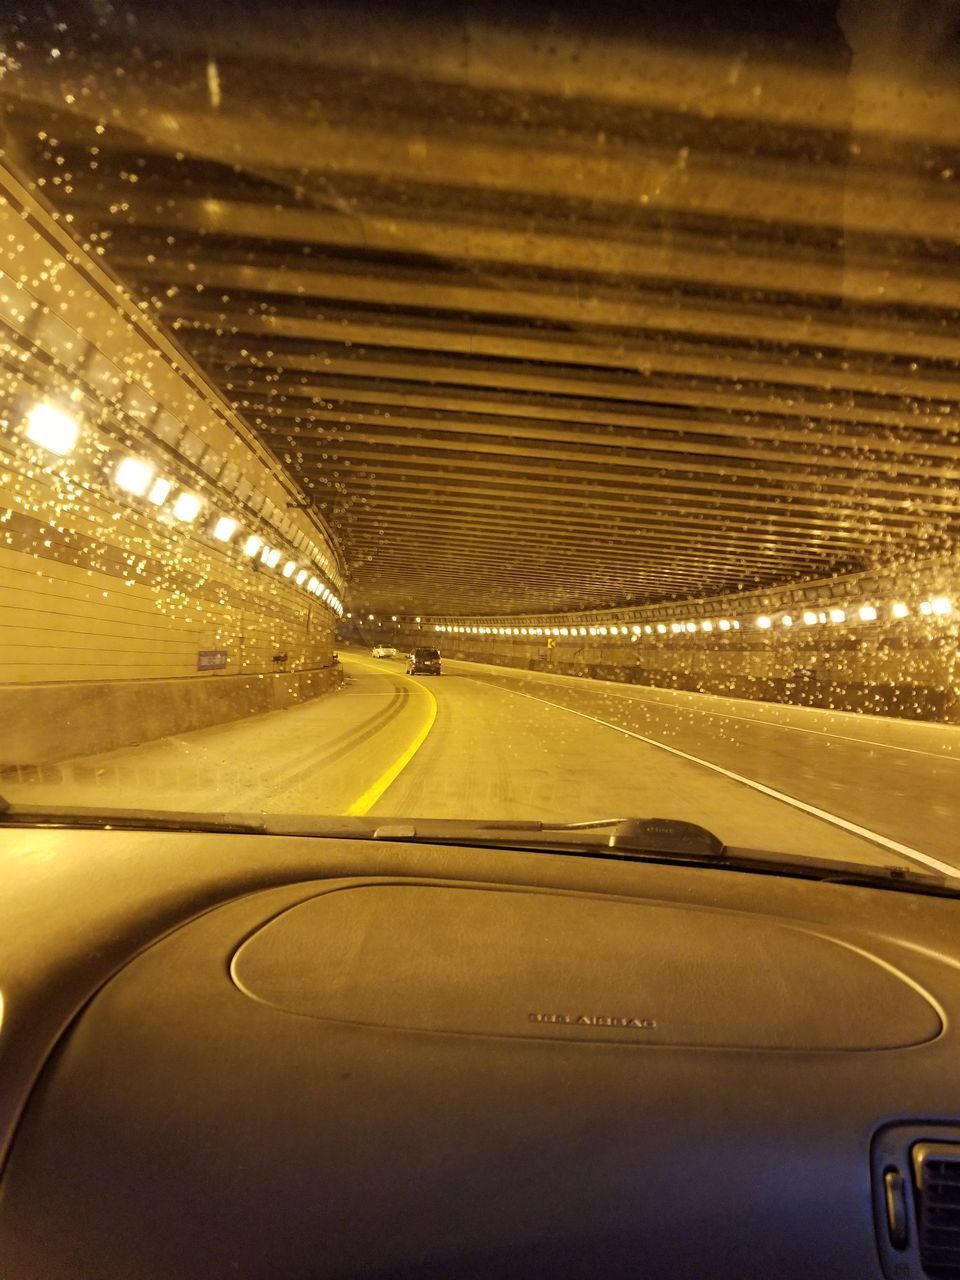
373 793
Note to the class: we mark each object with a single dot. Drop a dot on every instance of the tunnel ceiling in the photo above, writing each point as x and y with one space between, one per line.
539 320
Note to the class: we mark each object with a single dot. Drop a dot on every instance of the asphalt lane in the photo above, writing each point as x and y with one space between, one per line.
898 779
322 757
486 742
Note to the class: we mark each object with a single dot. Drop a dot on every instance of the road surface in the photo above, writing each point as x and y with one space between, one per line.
495 743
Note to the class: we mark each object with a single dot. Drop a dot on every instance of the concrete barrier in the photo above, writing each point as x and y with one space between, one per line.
44 723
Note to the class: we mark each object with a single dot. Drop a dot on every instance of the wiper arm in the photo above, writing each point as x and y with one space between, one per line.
666 839
652 835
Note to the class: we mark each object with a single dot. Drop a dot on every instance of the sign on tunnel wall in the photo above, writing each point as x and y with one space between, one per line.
212 659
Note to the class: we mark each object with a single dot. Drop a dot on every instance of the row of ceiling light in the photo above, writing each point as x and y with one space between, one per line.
57 431
935 606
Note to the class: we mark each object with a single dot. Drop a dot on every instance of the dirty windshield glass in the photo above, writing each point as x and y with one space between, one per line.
608 354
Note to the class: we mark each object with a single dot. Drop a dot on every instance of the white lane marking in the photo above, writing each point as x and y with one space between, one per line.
774 724
792 728
874 837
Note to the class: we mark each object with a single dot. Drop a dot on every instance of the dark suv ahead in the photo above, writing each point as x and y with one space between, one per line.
424 662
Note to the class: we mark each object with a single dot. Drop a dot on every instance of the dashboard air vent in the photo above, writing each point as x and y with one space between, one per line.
936 1168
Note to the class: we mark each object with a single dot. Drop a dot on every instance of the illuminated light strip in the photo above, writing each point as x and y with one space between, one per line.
872 836
363 804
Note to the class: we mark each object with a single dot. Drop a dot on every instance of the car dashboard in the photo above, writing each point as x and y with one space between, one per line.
227 1054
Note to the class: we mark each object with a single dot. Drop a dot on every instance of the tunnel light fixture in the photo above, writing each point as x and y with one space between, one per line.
289 568
867 613
133 475
313 584
941 606
252 545
706 626
676 627
159 491
724 624
273 558
301 579
838 615
899 609
187 506
370 617
764 622
810 618
691 628
648 629
224 528
661 628
602 630
52 428
634 639
786 620
735 624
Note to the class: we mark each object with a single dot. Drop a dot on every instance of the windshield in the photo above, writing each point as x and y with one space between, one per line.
615 350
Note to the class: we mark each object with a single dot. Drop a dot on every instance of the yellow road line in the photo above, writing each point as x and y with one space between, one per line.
373 793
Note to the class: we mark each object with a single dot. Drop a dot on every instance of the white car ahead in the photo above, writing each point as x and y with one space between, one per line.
384 651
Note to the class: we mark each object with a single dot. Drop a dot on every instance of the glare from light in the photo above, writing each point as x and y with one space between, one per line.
288 568
691 627
661 628
736 625
724 624
764 623
224 529
676 627
867 613
313 584
416 619
786 620
706 626
301 578
637 630
583 631
134 476
52 429
187 506
393 617
159 491
809 617
602 630
369 615
941 606
821 616
252 545
593 631
838 615
564 631
899 609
